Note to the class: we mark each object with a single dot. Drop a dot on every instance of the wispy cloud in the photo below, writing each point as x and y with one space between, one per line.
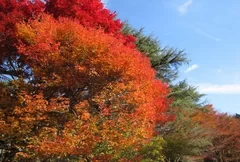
203 33
191 68
182 9
105 2
219 89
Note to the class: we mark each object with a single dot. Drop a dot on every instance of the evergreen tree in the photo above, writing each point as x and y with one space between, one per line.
165 60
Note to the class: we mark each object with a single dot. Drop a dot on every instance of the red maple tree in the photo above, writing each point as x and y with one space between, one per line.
83 92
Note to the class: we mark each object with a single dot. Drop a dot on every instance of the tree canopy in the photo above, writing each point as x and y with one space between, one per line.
78 84
78 89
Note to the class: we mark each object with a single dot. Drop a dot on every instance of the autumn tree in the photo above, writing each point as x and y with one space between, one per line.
76 84
84 92
225 134
11 12
185 137
91 14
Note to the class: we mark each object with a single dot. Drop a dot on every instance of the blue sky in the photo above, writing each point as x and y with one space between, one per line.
208 30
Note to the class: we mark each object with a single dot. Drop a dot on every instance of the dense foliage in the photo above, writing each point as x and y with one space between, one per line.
77 84
74 89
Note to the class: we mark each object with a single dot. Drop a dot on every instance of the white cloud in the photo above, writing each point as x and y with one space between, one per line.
219 89
184 7
203 33
105 2
191 68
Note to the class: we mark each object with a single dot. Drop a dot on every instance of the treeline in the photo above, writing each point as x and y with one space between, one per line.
77 84
198 133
